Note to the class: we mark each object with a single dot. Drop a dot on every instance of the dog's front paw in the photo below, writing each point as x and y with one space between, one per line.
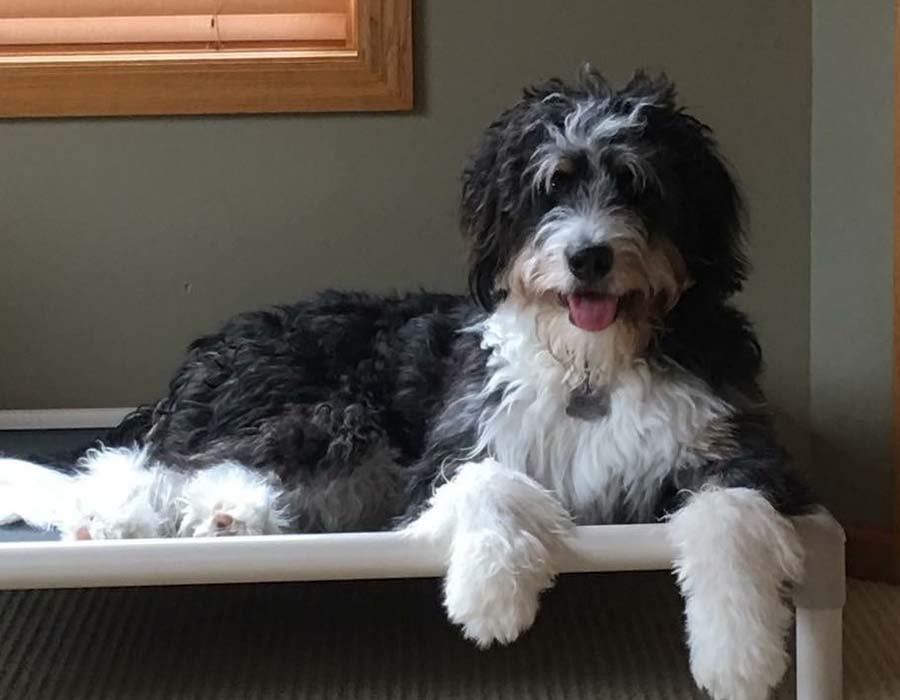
493 584
737 652
732 671
736 557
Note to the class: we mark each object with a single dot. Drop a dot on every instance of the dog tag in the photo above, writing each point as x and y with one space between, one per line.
588 403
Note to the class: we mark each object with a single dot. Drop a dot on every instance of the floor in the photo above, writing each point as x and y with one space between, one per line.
609 636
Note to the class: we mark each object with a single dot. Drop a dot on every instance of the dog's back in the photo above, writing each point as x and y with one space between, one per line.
316 385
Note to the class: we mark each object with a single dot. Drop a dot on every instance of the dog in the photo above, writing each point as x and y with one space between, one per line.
598 373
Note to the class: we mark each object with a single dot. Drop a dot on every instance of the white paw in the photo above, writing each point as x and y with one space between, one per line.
114 498
105 511
126 519
736 556
219 521
92 529
493 584
230 499
736 663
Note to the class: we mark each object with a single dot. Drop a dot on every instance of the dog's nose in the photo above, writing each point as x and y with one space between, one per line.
591 264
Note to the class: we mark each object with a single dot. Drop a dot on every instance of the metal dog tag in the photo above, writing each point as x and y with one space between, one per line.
588 403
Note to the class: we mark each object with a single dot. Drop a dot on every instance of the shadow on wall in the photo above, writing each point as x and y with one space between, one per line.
847 471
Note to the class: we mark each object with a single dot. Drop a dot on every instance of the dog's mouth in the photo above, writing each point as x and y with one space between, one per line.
591 311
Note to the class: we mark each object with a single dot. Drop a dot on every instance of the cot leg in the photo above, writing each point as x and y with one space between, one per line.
819 654
819 602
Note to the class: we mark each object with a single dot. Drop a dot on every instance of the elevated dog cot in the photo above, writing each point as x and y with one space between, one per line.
384 555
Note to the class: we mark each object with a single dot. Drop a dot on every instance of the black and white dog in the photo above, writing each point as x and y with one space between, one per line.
601 377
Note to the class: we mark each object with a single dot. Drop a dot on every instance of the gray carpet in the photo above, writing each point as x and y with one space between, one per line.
598 636
609 636
872 642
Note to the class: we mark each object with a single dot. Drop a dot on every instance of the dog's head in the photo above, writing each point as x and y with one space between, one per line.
599 207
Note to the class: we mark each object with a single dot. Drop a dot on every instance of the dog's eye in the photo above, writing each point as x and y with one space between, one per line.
562 179
558 183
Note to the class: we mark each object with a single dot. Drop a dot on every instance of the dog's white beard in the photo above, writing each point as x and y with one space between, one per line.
591 357
584 356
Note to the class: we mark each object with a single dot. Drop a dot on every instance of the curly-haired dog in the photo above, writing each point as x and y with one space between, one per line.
601 376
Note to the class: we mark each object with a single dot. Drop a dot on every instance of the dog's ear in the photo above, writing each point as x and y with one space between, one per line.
480 211
495 194
712 210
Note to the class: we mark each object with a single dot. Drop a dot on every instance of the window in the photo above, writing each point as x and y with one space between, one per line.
138 57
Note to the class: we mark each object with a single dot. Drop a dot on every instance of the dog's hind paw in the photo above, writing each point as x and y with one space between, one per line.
113 498
231 499
131 523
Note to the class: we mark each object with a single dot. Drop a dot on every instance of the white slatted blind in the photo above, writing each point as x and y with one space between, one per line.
92 26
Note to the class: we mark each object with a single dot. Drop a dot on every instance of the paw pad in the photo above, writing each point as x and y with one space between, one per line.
223 520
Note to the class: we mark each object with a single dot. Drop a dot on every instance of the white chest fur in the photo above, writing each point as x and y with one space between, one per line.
659 419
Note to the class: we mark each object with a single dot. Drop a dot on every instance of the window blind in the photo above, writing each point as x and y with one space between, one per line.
98 26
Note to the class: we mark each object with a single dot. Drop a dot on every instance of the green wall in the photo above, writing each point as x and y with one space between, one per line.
123 239
851 255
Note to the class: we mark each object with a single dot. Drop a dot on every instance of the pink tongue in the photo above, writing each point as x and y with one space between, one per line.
592 312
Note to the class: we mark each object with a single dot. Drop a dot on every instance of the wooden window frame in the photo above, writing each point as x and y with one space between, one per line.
377 76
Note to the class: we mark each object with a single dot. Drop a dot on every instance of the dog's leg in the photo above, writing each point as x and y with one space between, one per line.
500 529
735 557
33 493
231 499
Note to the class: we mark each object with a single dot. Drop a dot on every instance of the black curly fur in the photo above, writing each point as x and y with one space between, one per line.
317 383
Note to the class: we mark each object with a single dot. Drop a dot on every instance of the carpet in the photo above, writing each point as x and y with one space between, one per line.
609 636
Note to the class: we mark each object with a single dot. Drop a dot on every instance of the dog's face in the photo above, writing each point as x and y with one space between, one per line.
600 208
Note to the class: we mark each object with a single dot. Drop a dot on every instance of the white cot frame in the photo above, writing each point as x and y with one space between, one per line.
819 600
